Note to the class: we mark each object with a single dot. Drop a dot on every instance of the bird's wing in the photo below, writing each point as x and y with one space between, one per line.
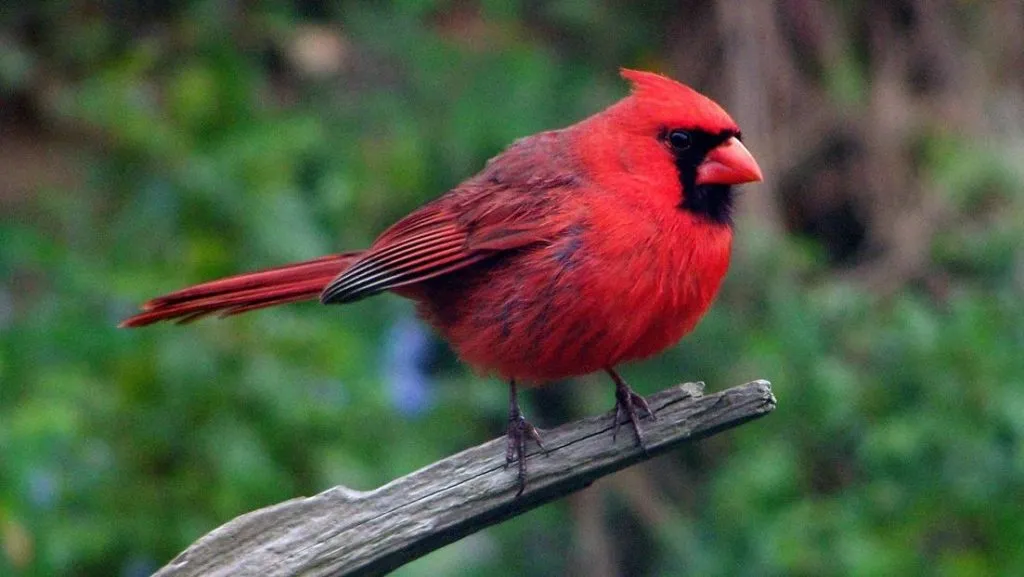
513 203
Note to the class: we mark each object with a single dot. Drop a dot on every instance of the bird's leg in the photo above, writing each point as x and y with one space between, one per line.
627 401
518 430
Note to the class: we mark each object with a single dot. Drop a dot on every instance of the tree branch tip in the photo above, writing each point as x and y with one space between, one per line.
766 386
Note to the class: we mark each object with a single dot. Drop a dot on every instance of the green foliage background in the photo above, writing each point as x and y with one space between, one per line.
147 146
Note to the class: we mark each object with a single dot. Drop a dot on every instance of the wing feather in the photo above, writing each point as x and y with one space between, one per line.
513 203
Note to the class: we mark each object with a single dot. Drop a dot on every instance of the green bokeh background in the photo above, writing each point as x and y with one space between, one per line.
878 280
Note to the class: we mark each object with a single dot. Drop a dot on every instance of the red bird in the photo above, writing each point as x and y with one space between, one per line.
571 252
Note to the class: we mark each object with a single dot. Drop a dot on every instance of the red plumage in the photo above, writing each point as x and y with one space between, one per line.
570 252
295 282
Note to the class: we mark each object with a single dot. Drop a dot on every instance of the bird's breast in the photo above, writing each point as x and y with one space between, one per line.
592 298
658 282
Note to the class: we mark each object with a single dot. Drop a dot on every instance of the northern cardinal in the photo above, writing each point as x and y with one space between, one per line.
572 251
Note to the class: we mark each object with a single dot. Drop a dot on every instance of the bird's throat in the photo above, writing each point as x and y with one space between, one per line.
713 202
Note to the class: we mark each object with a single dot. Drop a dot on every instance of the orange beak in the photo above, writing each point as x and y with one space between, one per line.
729 163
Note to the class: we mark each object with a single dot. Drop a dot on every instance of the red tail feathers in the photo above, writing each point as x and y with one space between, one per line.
238 294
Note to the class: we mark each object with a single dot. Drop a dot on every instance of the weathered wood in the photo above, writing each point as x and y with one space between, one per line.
346 532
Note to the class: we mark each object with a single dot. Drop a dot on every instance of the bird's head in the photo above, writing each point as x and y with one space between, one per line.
683 142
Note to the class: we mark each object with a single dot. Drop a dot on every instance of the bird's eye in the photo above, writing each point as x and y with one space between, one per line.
679 140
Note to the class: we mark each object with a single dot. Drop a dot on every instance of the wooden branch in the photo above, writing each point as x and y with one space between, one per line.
346 532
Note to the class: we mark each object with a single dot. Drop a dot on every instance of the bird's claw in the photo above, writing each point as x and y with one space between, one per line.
626 404
519 430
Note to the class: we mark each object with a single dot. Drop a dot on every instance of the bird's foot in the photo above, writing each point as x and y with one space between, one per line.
519 430
626 403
